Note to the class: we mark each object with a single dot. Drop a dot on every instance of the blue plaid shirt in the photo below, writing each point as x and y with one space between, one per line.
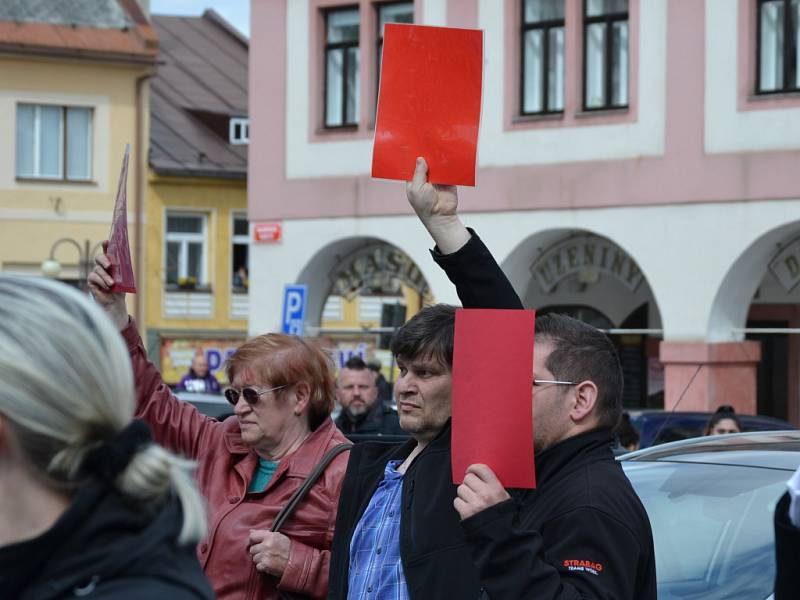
376 572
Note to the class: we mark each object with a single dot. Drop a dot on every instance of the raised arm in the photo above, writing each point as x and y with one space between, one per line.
176 425
479 280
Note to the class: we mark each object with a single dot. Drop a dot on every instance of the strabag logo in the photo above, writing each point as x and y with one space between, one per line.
587 566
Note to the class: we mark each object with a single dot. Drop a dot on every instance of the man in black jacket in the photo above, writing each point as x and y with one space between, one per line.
362 410
501 547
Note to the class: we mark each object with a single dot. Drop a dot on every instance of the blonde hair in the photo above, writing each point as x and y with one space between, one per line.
66 387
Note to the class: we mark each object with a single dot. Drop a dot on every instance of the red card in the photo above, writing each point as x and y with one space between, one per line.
119 250
493 393
429 103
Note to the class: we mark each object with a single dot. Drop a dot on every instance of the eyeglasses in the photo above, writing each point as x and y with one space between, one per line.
250 394
540 382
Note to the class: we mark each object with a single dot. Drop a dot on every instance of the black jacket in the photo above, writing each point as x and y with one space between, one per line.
380 419
583 533
436 559
102 548
787 553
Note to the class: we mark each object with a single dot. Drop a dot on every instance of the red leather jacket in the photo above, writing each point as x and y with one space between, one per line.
225 467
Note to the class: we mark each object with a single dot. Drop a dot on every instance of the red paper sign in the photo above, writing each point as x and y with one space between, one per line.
429 103
119 249
493 394
268 233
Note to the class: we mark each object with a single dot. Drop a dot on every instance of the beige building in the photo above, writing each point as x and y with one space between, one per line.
73 92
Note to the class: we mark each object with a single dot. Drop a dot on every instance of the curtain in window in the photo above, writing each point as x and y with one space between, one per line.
334 73
771 66
78 143
352 85
595 65
619 75
533 72
555 91
25 140
50 141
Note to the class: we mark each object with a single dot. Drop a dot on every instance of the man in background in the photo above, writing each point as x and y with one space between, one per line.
357 393
199 379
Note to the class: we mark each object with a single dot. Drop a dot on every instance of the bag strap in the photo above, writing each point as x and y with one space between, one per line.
312 478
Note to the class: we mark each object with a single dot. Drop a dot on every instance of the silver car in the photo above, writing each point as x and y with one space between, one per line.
711 502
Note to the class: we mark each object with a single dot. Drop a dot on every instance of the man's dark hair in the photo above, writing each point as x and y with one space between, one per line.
428 334
355 363
580 353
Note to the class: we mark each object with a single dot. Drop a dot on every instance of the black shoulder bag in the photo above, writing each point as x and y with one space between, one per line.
300 493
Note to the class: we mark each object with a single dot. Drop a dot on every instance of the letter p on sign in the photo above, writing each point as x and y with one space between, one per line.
294 309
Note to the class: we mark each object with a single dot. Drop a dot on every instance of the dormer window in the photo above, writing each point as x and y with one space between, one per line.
239 131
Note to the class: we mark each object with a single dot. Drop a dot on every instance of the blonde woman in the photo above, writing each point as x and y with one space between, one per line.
90 506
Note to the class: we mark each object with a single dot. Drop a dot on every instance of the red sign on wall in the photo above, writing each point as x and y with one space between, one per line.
270 232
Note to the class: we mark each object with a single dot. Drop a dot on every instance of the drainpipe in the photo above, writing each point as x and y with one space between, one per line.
139 185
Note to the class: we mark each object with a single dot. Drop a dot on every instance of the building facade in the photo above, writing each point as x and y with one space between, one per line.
73 92
197 233
637 168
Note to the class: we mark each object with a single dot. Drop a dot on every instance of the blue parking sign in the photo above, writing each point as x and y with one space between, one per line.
294 309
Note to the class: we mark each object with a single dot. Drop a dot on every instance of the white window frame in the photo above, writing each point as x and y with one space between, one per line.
239 239
62 156
184 239
239 131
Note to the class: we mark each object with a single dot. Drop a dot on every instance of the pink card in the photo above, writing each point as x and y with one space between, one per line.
493 393
119 249
429 103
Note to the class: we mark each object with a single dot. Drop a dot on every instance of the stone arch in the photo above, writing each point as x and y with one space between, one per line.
357 256
734 295
531 286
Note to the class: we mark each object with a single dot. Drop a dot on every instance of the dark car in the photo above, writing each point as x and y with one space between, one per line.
213 405
661 426
711 502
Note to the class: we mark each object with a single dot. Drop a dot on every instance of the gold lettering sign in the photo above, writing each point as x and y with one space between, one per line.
586 257
377 268
785 265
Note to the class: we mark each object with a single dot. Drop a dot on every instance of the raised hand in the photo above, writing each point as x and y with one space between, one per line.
437 208
100 283
428 199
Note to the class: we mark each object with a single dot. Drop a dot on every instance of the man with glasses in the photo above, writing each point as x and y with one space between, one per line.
583 533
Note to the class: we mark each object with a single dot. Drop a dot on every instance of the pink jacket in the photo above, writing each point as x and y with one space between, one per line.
225 467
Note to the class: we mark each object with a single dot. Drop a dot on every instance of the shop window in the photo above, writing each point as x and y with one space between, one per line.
605 54
240 253
778 48
54 142
390 12
542 72
186 251
341 67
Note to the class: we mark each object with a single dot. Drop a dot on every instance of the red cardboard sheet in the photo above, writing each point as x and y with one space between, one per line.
119 250
429 103
492 394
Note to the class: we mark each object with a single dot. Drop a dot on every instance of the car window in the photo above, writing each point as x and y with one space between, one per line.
712 527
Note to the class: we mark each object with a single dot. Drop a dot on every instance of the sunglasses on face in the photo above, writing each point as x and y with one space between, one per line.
250 394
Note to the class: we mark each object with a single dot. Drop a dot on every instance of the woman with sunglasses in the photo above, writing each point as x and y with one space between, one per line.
282 393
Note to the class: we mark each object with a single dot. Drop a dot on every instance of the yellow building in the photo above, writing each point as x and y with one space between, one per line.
73 92
197 229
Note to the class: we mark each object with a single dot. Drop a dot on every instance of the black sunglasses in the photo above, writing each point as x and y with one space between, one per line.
250 394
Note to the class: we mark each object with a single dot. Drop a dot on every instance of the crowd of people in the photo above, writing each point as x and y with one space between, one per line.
96 451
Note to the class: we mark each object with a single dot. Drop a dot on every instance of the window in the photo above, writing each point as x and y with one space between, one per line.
778 48
341 67
186 250
54 142
239 131
239 251
542 85
390 12
605 58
